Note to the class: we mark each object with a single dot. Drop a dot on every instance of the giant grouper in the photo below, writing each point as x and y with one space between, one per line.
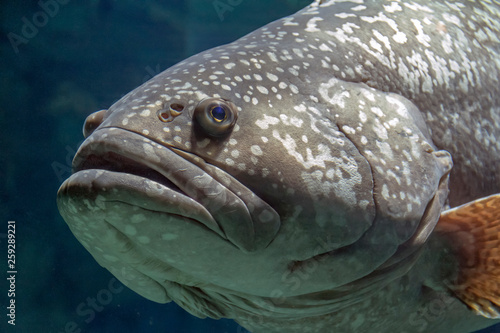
337 170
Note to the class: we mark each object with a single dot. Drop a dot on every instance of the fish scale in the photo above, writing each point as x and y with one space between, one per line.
298 179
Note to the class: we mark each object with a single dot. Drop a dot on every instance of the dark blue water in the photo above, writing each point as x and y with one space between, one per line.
61 61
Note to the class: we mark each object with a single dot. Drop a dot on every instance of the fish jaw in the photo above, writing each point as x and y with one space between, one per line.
176 185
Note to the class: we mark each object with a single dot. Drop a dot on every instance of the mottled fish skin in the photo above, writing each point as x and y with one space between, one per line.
309 215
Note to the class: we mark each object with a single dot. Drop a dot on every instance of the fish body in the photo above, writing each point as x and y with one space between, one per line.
293 179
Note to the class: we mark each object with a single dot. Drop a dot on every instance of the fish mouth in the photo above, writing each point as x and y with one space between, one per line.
123 166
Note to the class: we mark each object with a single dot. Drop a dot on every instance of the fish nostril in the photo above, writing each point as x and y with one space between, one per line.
167 115
176 109
92 122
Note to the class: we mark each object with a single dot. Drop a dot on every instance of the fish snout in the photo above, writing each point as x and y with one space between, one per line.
92 122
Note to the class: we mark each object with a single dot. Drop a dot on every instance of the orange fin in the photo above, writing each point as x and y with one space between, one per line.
473 231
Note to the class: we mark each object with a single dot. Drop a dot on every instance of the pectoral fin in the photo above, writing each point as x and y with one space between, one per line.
473 231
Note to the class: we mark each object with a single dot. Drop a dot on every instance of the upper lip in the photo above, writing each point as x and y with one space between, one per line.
113 161
107 150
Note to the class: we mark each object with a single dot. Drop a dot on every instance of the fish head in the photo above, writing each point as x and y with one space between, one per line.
226 171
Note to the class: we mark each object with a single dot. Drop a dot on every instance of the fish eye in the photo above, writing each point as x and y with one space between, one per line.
216 116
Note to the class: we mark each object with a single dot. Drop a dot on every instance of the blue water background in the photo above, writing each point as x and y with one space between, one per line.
82 57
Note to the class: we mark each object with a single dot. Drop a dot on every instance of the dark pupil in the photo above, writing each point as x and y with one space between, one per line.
218 113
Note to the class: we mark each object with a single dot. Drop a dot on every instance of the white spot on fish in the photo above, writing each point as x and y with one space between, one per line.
130 230
268 120
293 71
421 36
362 116
385 149
400 37
266 216
137 218
203 143
393 7
169 236
262 89
272 56
149 150
311 24
144 239
401 108
272 77
348 129
326 48
385 192
344 15
110 258
377 111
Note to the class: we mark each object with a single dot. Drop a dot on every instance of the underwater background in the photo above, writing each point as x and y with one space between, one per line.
60 61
